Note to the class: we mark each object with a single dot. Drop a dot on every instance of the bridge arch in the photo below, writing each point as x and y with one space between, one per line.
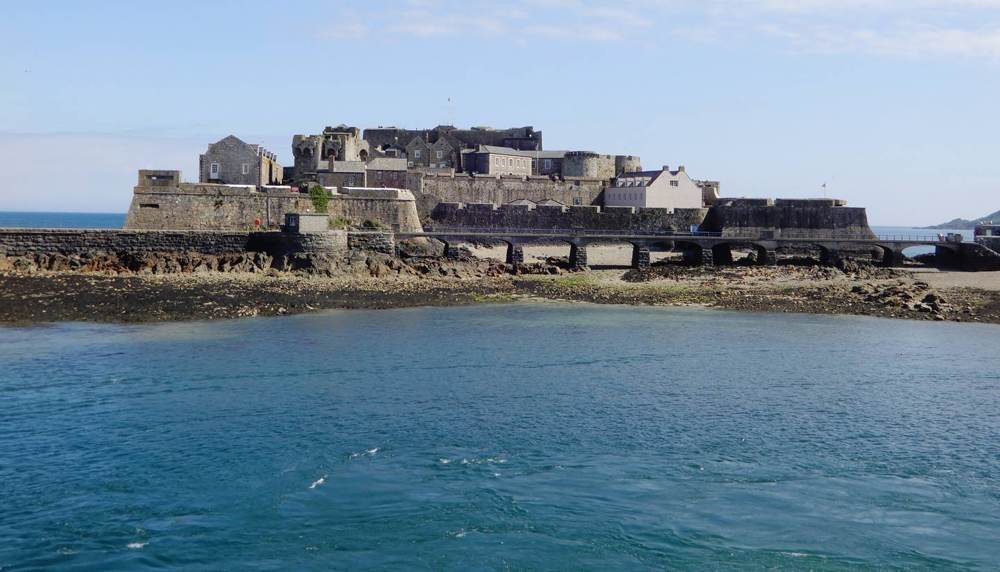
722 253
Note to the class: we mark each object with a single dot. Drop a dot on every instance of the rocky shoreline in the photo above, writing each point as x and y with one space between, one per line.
205 289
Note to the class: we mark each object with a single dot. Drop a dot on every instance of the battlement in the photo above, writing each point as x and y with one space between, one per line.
798 217
572 217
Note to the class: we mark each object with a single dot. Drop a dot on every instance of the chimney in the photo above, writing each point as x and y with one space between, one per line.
680 169
666 167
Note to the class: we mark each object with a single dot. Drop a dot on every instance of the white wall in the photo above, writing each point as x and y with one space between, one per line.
660 194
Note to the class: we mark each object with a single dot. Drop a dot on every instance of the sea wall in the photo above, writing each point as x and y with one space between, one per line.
22 242
189 206
555 217
433 188
803 218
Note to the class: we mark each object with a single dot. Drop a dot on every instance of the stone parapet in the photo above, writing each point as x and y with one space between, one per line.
23 242
454 215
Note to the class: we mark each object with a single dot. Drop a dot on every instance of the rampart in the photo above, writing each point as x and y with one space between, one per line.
26 242
574 217
788 218
433 188
161 202
91 242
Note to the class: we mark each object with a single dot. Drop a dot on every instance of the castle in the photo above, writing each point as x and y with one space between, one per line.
430 166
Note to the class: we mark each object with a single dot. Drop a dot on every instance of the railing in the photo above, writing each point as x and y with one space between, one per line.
782 236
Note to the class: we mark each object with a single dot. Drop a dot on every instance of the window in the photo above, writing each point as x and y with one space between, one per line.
440 154
548 163
675 183
245 168
214 171
416 153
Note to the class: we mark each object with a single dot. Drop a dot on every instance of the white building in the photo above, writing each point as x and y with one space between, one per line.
664 189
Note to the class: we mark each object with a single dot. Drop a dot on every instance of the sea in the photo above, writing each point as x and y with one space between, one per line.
528 436
538 436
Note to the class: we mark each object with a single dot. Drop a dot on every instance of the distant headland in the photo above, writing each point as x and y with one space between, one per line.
965 224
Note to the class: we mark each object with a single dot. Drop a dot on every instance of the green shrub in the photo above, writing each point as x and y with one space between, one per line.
339 223
320 198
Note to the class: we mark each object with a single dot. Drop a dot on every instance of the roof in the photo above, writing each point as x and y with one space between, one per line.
347 166
522 202
550 203
387 164
494 150
547 154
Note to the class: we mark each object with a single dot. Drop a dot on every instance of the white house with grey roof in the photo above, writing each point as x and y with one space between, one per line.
664 189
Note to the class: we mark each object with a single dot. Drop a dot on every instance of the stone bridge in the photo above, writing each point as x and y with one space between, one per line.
700 249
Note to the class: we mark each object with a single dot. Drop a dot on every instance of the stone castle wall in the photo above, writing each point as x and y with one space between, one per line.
787 218
431 189
28 242
589 165
219 207
581 218
25 242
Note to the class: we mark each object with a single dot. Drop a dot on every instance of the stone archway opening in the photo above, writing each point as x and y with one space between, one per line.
802 254
556 252
609 253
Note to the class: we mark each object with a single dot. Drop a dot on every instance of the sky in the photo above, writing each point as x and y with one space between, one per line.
892 104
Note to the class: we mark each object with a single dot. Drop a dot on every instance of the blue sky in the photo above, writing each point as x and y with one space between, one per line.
891 103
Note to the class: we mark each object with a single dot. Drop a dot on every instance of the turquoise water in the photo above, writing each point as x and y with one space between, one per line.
60 220
502 437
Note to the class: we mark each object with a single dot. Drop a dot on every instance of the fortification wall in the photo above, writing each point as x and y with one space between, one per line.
587 218
431 189
25 242
29 242
790 219
219 207
589 165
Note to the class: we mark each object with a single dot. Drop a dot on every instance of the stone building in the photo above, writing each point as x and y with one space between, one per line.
709 192
663 189
314 153
232 161
547 162
520 138
343 174
489 160
386 172
418 153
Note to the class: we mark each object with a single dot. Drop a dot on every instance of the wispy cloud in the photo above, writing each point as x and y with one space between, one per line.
885 28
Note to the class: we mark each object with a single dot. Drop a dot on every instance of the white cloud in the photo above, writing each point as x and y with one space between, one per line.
885 28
